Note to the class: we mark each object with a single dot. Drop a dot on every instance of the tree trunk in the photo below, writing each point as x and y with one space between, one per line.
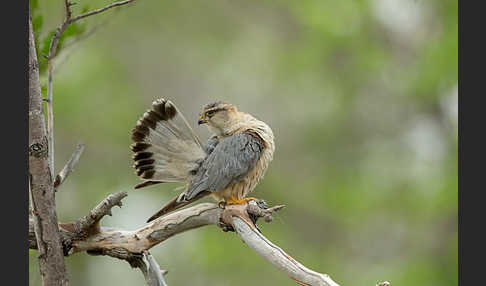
43 205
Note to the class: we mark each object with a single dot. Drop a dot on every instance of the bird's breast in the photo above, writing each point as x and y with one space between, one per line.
241 188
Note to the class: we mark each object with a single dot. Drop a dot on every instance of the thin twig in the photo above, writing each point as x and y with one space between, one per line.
50 57
91 31
67 6
68 168
97 11
50 118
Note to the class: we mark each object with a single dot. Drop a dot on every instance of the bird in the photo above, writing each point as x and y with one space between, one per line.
227 166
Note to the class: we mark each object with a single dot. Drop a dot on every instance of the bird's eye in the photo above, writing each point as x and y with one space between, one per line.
210 113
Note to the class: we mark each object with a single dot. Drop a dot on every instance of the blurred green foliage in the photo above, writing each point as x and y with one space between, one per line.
361 96
73 30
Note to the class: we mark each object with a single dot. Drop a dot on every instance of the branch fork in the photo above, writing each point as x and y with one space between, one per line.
249 212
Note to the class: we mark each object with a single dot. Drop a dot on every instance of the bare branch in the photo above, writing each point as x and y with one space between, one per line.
50 117
152 234
50 57
97 11
67 6
102 209
242 219
68 168
83 227
130 245
275 255
151 270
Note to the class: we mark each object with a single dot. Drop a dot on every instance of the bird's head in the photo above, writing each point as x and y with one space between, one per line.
220 117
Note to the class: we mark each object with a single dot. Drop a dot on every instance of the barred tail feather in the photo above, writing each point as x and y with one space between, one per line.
165 147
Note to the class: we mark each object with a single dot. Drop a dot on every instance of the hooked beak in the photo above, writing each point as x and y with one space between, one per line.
201 121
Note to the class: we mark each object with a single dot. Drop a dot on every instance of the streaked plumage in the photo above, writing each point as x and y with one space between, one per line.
228 166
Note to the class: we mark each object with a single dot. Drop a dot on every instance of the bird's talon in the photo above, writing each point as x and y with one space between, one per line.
224 226
222 205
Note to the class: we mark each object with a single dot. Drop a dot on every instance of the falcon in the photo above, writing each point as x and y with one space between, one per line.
227 166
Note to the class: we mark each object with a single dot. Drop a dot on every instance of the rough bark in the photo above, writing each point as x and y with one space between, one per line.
117 243
41 193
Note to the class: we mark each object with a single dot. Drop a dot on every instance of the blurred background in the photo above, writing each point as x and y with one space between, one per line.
361 96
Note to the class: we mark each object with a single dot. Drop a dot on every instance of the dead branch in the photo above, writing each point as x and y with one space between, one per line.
275 255
89 224
242 220
68 168
101 210
154 276
131 246
150 235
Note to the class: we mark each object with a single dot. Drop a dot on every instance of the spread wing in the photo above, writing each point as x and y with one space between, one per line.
230 161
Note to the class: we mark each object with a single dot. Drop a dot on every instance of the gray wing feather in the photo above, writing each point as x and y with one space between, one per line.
230 161
211 144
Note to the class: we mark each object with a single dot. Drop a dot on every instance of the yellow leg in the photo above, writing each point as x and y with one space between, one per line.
235 201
